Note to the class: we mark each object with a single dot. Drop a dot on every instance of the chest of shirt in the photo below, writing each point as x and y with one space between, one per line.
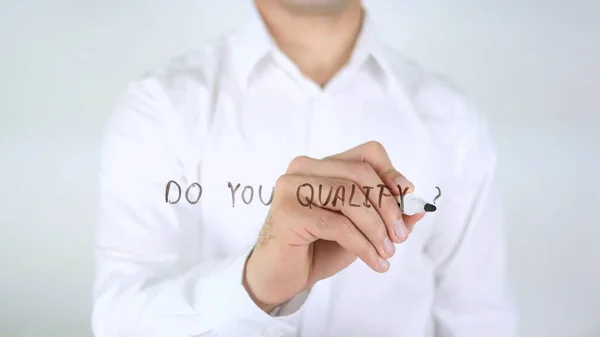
252 141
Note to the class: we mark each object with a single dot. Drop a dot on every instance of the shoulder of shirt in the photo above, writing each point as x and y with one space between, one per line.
194 69
457 125
183 87
433 95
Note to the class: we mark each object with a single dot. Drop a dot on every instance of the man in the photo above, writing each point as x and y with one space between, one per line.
259 133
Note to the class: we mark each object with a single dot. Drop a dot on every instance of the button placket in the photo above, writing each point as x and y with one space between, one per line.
322 129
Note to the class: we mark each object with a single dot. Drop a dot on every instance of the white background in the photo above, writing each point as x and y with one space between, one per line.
533 66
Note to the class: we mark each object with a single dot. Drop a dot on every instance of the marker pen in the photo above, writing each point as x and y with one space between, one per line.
413 205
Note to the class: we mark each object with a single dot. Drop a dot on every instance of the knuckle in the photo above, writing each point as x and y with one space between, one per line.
332 184
346 227
375 146
373 255
376 230
347 184
359 169
366 211
321 223
347 188
297 163
390 211
381 233
283 182
368 252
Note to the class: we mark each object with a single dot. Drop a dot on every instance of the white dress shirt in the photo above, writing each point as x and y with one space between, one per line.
238 111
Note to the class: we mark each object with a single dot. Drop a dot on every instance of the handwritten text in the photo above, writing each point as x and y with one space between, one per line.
306 194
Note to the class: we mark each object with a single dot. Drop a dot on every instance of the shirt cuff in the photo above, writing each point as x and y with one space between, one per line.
290 307
230 309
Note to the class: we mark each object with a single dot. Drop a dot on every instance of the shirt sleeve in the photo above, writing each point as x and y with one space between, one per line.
149 280
468 247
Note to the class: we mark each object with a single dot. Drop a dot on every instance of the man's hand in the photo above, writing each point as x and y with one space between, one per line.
300 245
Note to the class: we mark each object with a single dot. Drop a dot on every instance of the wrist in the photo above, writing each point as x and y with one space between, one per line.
250 282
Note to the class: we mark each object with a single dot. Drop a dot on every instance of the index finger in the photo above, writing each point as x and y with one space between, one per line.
375 155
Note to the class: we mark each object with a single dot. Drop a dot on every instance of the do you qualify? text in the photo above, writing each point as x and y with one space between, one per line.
193 194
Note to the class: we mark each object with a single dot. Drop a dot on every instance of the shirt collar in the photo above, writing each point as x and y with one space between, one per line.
252 42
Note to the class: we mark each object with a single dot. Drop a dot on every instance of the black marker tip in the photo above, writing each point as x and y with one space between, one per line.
430 208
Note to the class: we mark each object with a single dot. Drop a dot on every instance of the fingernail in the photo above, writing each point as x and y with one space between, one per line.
400 229
383 263
388 246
